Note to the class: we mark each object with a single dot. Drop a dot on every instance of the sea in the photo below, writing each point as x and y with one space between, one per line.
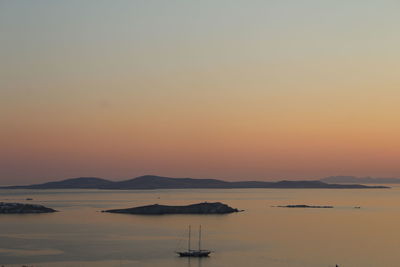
262 235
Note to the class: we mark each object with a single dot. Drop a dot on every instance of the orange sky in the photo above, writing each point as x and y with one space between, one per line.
263 90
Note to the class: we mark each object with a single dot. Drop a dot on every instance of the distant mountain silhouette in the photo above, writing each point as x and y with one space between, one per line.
77 183
363 180
159 182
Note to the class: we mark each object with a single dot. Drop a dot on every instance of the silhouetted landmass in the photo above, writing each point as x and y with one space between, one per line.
158 182
74 183
306 206
362 180
200 208
19 208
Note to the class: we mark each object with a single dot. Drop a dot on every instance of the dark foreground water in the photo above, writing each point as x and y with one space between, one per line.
80 235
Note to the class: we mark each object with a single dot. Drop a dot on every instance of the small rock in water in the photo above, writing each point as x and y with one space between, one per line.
305 206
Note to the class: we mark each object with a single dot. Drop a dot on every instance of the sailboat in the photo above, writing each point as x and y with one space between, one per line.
194 252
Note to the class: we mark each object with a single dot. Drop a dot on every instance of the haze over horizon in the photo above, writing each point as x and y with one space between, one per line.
212 89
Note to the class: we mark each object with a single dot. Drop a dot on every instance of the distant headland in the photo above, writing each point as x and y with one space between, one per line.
159 182
362 180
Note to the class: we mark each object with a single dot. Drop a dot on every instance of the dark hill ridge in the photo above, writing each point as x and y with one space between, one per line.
159 182
200 208
74 183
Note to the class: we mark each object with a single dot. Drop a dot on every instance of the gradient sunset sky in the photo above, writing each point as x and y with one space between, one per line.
259 90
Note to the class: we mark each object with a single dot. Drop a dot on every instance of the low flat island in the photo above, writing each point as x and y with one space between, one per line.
199 208
20 208
305 206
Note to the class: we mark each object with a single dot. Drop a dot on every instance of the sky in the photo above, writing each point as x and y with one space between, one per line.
237 90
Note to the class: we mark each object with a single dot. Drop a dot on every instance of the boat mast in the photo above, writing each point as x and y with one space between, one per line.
189 239
199 237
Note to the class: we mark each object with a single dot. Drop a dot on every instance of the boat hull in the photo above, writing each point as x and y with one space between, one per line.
194 253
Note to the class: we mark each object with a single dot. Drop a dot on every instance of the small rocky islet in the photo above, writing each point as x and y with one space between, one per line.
21 208
199 208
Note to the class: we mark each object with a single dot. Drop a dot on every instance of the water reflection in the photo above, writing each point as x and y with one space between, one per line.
260 236
195 262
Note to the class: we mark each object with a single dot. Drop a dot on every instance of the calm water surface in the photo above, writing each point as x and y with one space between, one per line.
80 235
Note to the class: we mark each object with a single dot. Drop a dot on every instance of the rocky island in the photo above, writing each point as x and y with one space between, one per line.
199 208
20 208
306 206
